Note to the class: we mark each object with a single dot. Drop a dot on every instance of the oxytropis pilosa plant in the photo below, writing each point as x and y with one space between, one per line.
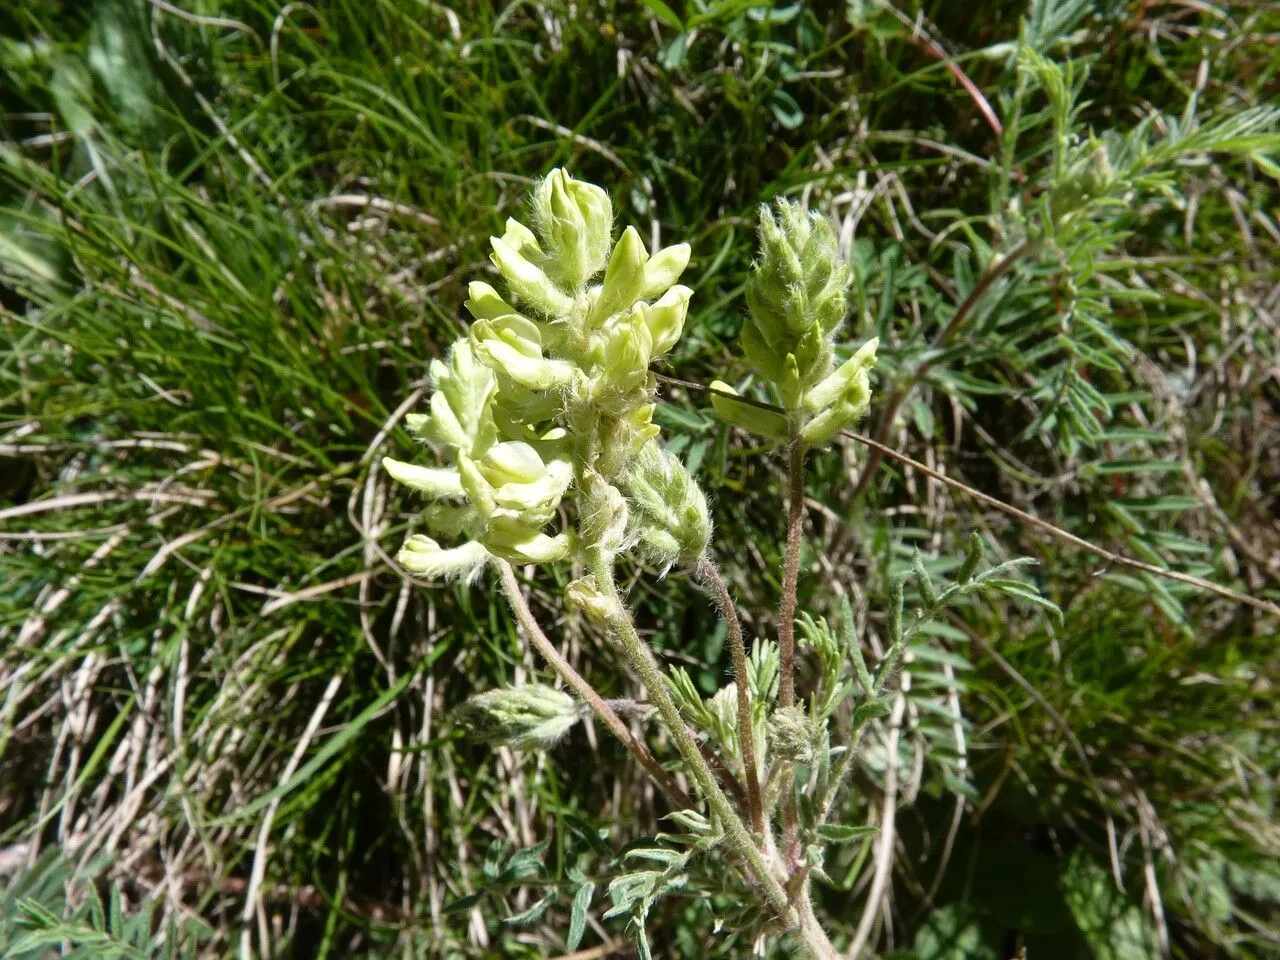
546 451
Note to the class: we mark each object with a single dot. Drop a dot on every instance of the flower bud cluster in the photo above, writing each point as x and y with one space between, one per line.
798 298
791 734
531 717
668 518
550 391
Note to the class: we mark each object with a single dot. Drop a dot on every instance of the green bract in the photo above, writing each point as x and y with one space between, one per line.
549 395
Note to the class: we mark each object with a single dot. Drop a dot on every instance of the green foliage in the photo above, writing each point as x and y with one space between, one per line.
1114 928
55 905
951 934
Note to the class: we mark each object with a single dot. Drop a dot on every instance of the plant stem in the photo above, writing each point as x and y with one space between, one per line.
709 575
855 740
665 782
842 774
723 774
790 577
647 666
816 943
787 632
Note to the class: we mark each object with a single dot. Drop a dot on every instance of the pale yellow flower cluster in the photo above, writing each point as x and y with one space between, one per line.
550 384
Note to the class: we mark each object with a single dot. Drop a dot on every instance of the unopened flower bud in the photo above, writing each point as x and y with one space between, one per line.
512 462
435 482
478 489
797 295
665 319
602 514
512 539
840 400
512 346
531 717
669 517
586 596
416 424
485 303
1099 172
424 557
621 440
639 424
626 346
527 281
575 220
523 240
664 269
536 501
723 708
791 734
624 280
840 383
513 478
461 418
1086 177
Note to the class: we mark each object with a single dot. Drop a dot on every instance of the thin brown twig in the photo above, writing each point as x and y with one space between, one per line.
585 692
933 49
1110 556
918 39
283 598
594 953
709 574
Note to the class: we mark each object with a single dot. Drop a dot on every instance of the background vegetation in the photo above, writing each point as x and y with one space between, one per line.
232 236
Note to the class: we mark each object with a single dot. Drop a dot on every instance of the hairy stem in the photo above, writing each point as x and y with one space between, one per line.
855 741
817 945
723 774
647 666
842 774
709 575
585 692
790 578
787 631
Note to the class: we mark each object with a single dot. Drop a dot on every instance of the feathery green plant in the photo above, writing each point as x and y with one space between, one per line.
56 905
